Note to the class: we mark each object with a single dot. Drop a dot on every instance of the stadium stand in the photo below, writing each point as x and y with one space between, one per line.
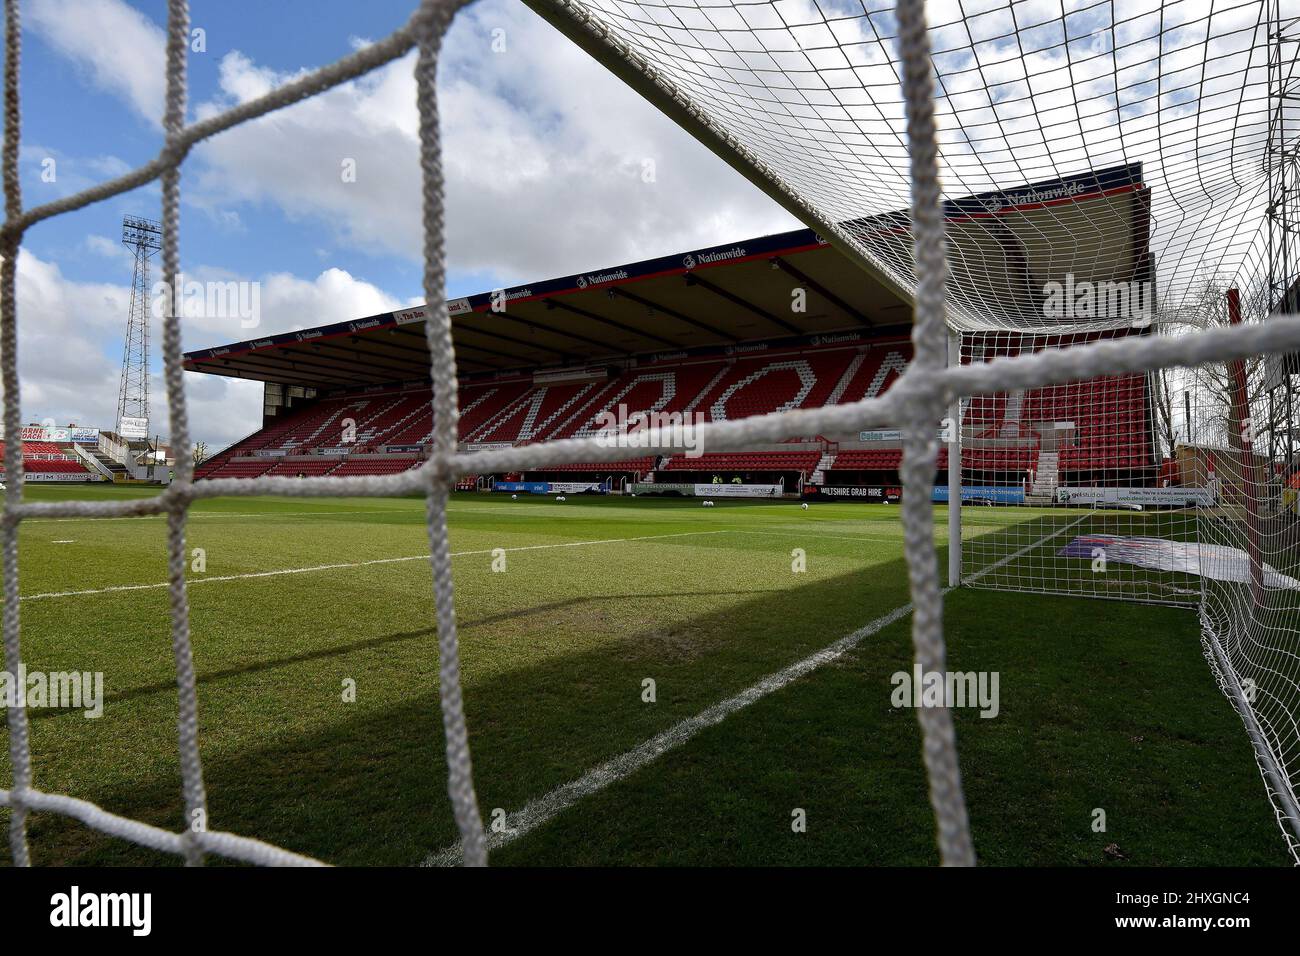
61 466
780 461
376 466
635 466
36 449
1108 418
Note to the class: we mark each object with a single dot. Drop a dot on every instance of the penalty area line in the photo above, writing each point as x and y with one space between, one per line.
545 808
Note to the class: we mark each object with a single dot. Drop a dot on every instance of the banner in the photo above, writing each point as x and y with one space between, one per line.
54 433
577 487
1172 497
133 428
1003 494
853 493
486 445
661 488
61 476
532 487
737 491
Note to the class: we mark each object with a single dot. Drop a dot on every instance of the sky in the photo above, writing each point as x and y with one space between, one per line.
547 155
545 159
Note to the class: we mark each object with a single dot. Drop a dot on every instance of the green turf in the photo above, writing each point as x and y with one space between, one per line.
1103 704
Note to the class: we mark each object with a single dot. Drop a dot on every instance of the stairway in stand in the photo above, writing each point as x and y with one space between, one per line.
1046 477
824 463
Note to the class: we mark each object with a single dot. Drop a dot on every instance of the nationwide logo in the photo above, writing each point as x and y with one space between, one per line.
263 344
367 324
666 356
705 258
598 277
832 339
216 352
1063 191
820 239
304 336
759 347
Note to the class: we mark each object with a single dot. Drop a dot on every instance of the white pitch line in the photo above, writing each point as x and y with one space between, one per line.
797 532
355 564
547 807
234 514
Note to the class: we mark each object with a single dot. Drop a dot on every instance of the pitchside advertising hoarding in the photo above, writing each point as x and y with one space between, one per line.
707 490
556 487
1172 497
738 491
1002 494
892 494
876 493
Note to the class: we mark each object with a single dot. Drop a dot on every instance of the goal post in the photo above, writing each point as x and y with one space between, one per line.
954 469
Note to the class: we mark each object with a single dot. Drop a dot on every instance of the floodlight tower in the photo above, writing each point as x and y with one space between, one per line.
144 238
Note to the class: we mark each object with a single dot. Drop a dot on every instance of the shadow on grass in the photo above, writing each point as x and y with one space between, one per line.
1103 705
383 640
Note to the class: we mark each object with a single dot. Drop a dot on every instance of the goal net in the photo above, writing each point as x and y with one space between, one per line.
1143 134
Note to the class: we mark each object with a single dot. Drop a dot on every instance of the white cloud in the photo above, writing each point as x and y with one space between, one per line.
544 159
546 163
120 48
70 333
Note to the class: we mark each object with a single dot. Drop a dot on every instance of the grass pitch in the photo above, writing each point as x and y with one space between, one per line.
1102 704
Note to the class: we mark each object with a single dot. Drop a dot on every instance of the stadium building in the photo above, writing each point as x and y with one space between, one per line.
746 328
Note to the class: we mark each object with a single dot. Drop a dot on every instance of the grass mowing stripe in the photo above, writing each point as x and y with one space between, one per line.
359 564
544 808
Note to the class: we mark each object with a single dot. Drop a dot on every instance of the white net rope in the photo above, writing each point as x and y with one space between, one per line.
827 169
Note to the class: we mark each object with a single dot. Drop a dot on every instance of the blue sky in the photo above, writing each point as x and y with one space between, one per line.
91 133
544 159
